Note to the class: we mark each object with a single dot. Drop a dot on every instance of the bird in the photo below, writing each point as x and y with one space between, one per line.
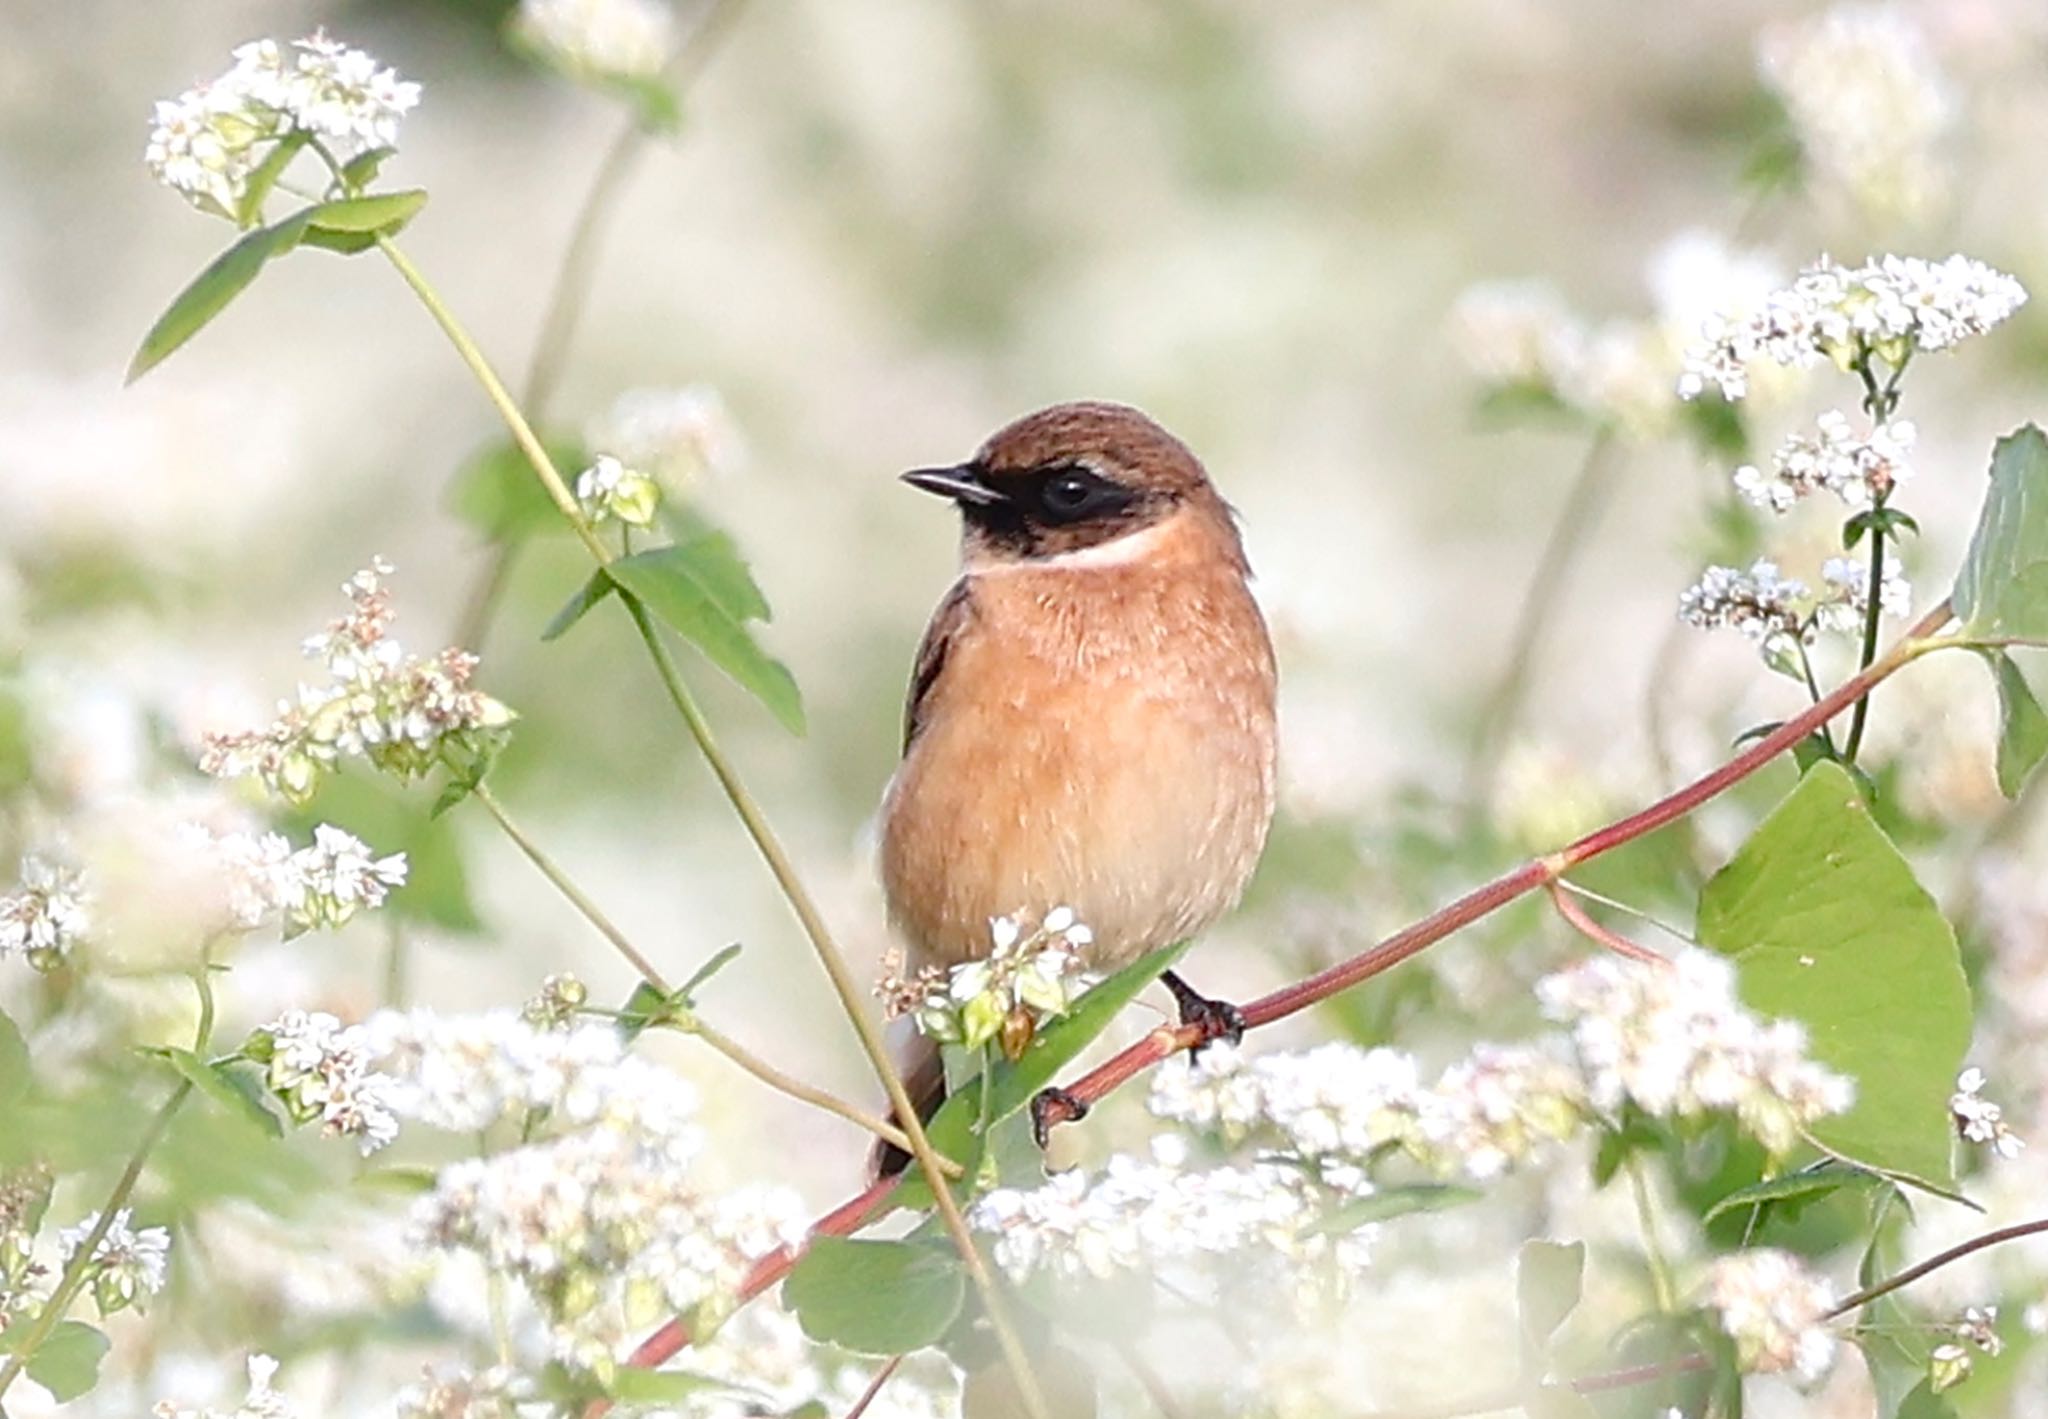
1091 718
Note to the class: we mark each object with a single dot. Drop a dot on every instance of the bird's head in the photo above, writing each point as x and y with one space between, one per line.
1079 483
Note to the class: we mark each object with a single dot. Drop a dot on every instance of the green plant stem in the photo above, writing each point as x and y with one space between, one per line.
1653 1247
73 1280
1575 521
829 955
562 883
1873 615
796 1089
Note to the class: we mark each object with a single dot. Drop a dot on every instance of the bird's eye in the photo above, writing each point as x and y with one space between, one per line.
1072 494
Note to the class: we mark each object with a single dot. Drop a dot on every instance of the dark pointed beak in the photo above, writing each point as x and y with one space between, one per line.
963 484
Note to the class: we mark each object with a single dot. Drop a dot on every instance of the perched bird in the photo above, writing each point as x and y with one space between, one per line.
1091 714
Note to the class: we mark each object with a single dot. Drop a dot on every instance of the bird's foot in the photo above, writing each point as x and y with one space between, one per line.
1215 1019
1052 1107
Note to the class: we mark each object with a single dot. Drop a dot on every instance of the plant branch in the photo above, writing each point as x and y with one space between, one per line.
1936 1262
867 1396
560 880
851 998
1580 920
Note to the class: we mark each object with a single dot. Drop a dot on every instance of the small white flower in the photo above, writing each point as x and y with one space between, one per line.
1889 307
1857 468
608 489
46 916
1762 604
1978 1120
1847 600
1034 975
320 1070
1775 1312
600 38
262 1401
1866 103
127 1266
678 436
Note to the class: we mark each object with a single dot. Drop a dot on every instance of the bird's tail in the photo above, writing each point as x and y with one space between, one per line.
924 1077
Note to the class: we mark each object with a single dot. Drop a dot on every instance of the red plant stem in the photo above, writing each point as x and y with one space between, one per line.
874 1388
1582 922
1481 901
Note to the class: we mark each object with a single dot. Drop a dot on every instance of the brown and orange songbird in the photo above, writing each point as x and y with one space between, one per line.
1091 716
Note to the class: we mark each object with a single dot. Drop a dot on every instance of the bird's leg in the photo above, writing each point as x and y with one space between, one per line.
1216 1019
1052 1107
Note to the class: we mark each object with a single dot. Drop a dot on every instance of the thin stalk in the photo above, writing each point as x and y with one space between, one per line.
1653 1247
817 1098
1565 884
1581 921
1873 613
851 999
867 1396
1575 521
562 883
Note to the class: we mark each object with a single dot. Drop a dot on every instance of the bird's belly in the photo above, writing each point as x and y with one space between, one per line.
1143 813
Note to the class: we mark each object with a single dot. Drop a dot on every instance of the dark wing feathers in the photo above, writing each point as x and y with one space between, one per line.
947 622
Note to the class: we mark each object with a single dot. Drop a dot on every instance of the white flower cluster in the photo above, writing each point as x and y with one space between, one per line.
1890 307
1866 103
1951 1362
1159 1215
127 1266
320 1070
1978 1120
678 436
46 915
322 885
609 489
24 1195
1780 613
209 141
403 714
453 1393
1027 978
605 39
1520 335
1775 1311
262 1401
1857 468
1677 1042
1336 1106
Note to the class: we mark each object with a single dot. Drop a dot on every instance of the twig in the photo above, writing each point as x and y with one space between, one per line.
1582 921
1936 1262
867 1397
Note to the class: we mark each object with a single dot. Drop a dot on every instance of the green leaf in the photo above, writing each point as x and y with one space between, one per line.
702 589
497 492
875 1298
1391 1202
15 1076
265 175
645 1008
361 170
214 1081
1827 926
379 214
2022 726
720 959
1792 1187
211 290
1921 1402
2002 589
630 1384
952 1129
1549 1279
403 1180
595 588
67 1363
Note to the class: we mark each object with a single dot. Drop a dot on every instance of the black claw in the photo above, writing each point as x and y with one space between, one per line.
1052 1107
1216 1019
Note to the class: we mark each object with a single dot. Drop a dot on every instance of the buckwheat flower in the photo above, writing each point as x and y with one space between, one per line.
1888 308
629 39
608 489
127 1266
1760 603
1846 601
1979 1327
206 143
402 714
1775 1312
1677 1043
262 1401
1499 1108
1867 105
1332 1101
1026 979
46 915
1857 468
554 1007
335 877
1948 1365
320 1070
679 436
1978 1120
